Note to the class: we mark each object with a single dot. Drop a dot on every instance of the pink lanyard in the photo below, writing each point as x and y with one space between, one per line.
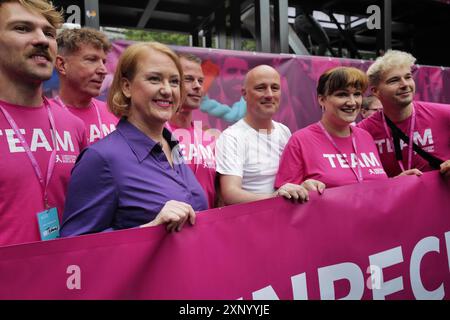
51 162
99 118
196 140
412 123
358 174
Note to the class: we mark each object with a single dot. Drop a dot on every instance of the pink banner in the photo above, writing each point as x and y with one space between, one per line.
271 249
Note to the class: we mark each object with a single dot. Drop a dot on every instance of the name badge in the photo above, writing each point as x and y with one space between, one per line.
48 224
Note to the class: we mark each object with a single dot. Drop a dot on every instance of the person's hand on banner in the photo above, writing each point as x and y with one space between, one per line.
410 172
314 185
445 169
174 214
293 191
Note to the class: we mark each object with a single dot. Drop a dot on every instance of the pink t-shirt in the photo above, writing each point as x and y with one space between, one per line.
21 196
91 120
310 155
431 133
197 148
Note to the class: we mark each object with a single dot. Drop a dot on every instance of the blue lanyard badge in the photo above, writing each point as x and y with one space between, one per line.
48 224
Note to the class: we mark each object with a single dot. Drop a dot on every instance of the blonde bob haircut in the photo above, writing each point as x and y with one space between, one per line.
391 59
127 67
340 78
43 7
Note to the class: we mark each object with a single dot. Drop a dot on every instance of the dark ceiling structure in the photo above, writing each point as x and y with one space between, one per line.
342 29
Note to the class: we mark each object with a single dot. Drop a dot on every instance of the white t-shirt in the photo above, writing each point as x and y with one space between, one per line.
254 156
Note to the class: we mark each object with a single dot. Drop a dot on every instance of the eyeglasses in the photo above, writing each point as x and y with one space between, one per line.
374 109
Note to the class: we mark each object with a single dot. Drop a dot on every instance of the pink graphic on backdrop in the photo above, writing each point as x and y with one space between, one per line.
430 82
299 75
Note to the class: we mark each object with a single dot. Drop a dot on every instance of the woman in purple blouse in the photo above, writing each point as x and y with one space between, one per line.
135 176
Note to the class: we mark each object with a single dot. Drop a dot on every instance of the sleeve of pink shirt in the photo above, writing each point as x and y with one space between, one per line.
290 169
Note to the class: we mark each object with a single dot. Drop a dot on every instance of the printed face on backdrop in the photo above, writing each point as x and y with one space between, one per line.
155 89
262 92
305 66
27 43
193 83
342 106
396 88
84 70
233 72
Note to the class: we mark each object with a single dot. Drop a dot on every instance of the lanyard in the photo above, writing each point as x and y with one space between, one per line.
358 174
99 118
196 143
51 162
412 123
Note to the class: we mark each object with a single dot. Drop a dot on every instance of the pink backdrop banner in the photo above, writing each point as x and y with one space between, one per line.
224 75
271 249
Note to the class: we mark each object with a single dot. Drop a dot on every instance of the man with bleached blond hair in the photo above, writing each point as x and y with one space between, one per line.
410 135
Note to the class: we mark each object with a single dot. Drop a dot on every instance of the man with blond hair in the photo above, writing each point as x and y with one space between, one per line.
410 135
39 141
248 152
81 67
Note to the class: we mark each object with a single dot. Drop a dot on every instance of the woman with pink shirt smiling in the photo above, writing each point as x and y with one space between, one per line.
332 150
